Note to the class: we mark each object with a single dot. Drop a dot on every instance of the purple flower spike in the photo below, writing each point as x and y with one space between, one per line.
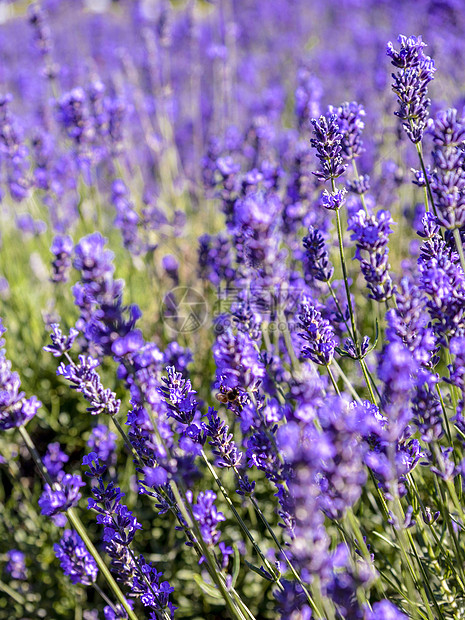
208 517
415 71
370 232
15 408
75 560
62 249
84 378
327 142
317 333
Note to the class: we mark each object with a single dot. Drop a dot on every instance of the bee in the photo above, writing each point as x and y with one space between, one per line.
228 397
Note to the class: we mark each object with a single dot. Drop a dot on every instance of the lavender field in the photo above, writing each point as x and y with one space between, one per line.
232 309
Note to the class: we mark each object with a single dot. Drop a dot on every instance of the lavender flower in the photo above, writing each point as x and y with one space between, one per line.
415 72
341 475
15 408
307 97
396 369
310 541
61 344
215 259
292 600
408 322
370 233
103 318
120 527
13 152
359 186
54 460
238 363
333 200
257 216
42 38
327 142
75 560
73 114
222 441
64 494
350 119
317 333
448 176
62 248
179 396
171 267
177 356
427 411
16 565
384 610
443 280
84 378
117 613
127 219
102 442
208 517
457 369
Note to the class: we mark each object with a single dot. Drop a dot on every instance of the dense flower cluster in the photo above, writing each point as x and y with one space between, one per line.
202 204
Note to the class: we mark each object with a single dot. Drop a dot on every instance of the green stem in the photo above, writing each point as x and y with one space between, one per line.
459 245
400 536
361 543
428 185
191 522
80 529
447 592
372 381
425 189
239 519
101 593
333 381
288 341
362 361
339 309
444 413
399 591
368 380
346 279
126 440
357 177
12 593
283 553
426 579
348 384
404 543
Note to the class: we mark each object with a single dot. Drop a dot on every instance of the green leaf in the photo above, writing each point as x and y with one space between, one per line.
236 565
207 588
